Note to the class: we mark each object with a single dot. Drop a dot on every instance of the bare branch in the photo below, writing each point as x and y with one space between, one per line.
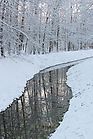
15 29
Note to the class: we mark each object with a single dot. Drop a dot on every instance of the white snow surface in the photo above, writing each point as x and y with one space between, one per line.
78 121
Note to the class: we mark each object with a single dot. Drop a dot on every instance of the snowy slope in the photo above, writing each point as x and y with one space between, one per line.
78 121
15 71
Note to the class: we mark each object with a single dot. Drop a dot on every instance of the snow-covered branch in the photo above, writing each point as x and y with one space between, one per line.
18 30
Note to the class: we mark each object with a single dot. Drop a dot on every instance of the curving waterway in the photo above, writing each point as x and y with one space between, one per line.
38 112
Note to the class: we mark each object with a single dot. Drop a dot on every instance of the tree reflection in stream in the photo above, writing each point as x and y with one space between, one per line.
49 99
37 113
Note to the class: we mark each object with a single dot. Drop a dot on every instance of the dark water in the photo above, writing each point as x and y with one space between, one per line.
50 97
37 113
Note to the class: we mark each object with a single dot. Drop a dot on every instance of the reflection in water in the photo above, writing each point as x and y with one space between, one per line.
37 113
49 100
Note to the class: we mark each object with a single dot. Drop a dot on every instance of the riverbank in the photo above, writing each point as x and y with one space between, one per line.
78 121
15 71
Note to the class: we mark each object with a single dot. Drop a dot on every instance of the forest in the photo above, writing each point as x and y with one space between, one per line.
44 26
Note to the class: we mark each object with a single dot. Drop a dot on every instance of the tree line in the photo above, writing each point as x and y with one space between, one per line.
43 26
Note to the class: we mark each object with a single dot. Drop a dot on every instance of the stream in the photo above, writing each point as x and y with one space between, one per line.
38 112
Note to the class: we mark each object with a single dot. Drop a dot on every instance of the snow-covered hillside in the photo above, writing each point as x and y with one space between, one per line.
78 121
15 71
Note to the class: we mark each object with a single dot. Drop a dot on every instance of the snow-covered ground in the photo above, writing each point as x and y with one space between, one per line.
78 121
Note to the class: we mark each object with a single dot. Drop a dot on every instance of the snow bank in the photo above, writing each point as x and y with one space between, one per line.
15 71
78 121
